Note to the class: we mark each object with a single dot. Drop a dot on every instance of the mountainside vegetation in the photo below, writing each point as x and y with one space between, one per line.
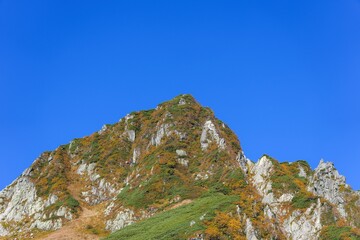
181 222
174 172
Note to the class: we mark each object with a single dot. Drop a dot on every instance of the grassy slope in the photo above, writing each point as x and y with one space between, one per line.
175 223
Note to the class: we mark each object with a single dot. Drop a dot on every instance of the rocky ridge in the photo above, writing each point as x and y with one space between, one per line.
152 160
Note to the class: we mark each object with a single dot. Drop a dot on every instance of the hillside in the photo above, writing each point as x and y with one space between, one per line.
174 172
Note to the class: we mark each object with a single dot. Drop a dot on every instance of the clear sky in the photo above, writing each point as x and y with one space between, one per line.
284 75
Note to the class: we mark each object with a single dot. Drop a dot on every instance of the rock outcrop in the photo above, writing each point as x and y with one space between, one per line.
304 225
306 222
124 218
327 182
159 160
209 134
250 231
261 179
20 201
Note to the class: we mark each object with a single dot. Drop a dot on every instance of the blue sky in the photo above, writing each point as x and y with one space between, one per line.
284 75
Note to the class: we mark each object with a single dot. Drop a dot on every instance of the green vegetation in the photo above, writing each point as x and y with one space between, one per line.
285 178
175 223
49 172
154 190
158 176
338 233
74 145
302 200
281 182
72 203
304 164
220 187
327 214
69 201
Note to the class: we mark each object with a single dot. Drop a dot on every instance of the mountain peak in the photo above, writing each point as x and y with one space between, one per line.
180 101
185 98
155 161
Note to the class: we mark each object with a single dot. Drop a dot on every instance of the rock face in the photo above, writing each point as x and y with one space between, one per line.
163 130
326 182
47 225
162 159
261 179
304 225
250 231
302 172
123 218
100 189
3 231
210 134
244 162
20 200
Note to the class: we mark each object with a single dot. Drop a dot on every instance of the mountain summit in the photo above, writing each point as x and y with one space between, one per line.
174 172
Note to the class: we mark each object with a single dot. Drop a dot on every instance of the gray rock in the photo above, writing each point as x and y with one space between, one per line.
181 153
243 161
103 129
22 200
201 176
302 172
181 135
122 219
261 179
209 134
64 212
100 191
3 231
109 209
136 155
250 231
27 172
51 200
182 101
326 182
50 158
268 212
89 168
162 130
286 197
47 225
81 169
304 226
131 135
183 162
128 117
